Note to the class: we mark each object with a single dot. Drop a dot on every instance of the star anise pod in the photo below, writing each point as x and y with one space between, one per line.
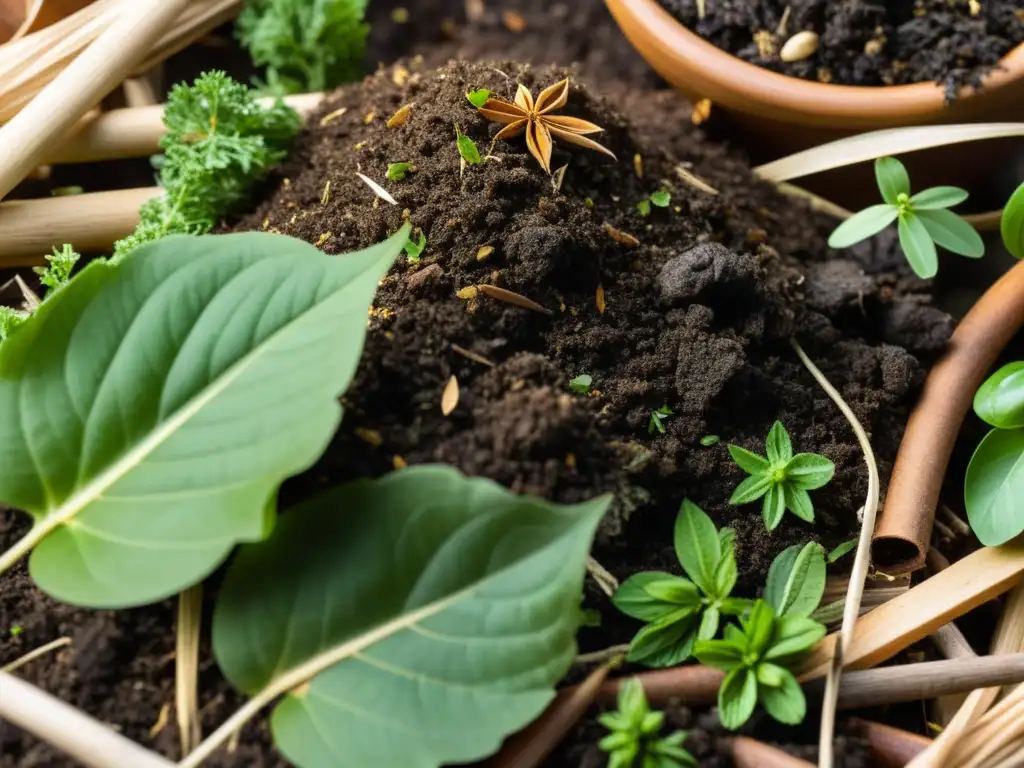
541 127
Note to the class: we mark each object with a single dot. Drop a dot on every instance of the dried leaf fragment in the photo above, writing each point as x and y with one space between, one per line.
620 237
471 355
510 297
484 251
325 196
378 190
450 396
599 298
558 177
401 117
330 117
467 293
701 111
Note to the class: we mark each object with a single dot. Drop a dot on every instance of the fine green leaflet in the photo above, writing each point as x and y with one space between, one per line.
150 410
413 620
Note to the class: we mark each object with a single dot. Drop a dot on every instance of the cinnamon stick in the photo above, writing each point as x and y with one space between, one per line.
904 528
890 747
750 753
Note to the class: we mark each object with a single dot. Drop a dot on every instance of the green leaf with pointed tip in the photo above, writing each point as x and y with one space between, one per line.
720 654
843 549
1011 225
938 197
1000 400
737 698
633 599
792 636
952 233
751 489
708 623
809 471
798 501
918 247
149 411
994 487
430 614
785 702
749 461
725 574
697 545
666 642
862 225
892 179
778 445
773 507
796 580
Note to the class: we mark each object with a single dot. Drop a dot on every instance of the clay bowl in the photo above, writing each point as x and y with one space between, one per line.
777 115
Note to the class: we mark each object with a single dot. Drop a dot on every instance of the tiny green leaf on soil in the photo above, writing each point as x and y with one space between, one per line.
402 598
478 97
414 247
662 198
581 384
708 440
657 420
181 334
634 730
16 630
467 147
994 487
398 171
644 207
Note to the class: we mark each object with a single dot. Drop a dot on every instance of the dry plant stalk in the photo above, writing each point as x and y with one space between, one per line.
186 667
35 653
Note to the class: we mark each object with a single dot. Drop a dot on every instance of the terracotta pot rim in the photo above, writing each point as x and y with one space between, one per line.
678 52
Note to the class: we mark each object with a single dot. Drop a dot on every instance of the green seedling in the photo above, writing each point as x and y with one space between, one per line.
414 247
478 97
680 610
633 739
796 580
757 657
467 147
657 421
708 440
924 220
581 384
782 478
994 485
16 630
398 171
662 198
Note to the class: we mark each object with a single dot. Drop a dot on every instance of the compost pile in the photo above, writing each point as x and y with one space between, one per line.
691 307
866 43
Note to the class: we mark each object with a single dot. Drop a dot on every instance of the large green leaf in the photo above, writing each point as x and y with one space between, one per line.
952 233
697 545
917 246
999 401
149 411
796 580
430 614
862 225
994 487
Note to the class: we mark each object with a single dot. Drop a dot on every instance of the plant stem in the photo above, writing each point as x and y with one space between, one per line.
35 653
860 566
22 547
186 667
234 723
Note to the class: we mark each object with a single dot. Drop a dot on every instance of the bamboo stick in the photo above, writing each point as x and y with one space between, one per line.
74 733
96 72
30 228
136 132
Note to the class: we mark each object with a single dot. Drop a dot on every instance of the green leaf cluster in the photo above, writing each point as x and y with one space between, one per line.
923 220
757 657
782 479
219 141
478 97
633 739
305 45
660 198
994 485
679 610
656 423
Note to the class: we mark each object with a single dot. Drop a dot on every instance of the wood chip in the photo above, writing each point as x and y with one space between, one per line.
638 165
398 462
694 181
401 117
500 294
557 178
599 298
467 293
369 436
701 111
513 21
484 251
325 196
620 237
450 396
469 354
330 117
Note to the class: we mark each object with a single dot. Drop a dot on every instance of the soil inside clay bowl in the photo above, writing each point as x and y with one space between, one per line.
954 43
697 315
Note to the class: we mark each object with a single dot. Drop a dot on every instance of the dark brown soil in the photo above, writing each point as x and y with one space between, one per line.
697 316
866 43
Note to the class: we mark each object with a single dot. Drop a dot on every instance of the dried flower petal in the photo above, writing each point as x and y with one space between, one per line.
378 190
401 117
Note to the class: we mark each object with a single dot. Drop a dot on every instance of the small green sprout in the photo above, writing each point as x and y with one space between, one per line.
57 272
657 420
757 660
467 147
414 248
677 610
478 97
708 440
16 630
662 198
397 171
589 203
634 730
923 220
581 384
782 479
843 549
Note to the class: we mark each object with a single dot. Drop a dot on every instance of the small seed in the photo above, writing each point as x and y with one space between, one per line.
398 462
620 237
638 165
510 297
701 111
873 47
599 299
514 21
369 117
484 251
369 436
450 396
467 293
401 117
799 46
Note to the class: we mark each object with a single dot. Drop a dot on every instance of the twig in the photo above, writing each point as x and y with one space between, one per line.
602 655
860 565
951 642
750 753
608 583
186 668
954 520
943 530
35 653
471 355
510 297
74 733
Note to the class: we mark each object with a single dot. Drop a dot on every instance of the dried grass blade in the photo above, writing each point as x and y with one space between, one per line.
695 181
471 355
378 190
500 294
35 653
875 144
186 668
